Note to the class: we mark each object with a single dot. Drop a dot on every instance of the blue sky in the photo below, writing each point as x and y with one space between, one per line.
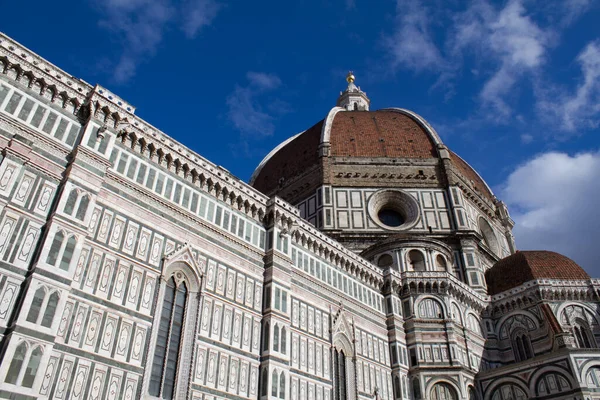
512 86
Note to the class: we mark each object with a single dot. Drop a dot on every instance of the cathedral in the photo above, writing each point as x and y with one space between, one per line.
363 260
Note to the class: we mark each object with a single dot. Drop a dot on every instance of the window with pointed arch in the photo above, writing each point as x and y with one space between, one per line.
521 345
77 203
443 391
278 384
61 250
509 391
279 339
340 375
24 365
168 341
584 338
43 307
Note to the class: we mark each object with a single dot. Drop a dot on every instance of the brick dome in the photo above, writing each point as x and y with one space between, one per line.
525 266
367 135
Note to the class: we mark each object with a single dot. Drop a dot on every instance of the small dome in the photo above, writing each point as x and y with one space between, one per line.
525 266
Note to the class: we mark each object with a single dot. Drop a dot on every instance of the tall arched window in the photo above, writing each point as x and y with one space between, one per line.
521 345
282 385
283 341
274 383
168 342
83 206
583 334
36 305
340 374
71 201
266 337
276 337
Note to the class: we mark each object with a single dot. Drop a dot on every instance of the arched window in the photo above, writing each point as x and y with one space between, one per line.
265 382
282 385
50 310
276 337
24 355
32 367
67 254
71 202
14 369
521 345
473 323
416 260
397 388
340 375
430 309
416 386
283 346
166 353
274 383
440 263
266 337
62 250
584 338
55 248
489 237
509 391
83 206
443 391
36 305
385 261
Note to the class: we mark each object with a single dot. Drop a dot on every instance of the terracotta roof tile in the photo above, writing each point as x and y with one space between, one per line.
293 159
379 134
524 266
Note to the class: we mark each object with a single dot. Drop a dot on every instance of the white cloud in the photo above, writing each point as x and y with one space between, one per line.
411 45
580 109
508 38
553 198
198 14
139 26
571 10
247 113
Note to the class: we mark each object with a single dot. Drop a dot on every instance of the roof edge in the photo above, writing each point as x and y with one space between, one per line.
271 154
424 124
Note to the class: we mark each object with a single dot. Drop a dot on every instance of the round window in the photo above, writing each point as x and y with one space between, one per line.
390 217
393 209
